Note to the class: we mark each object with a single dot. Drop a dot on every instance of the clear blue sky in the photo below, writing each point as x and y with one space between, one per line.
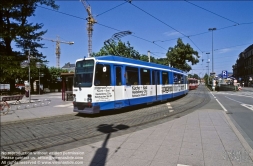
159 21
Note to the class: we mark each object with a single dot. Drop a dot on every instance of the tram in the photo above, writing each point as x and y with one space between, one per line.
193 83
113 82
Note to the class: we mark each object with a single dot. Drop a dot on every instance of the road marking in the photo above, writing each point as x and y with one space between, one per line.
235 94
234 100
168 105
248 106
242 104
182 165
171 110
213 95
222 106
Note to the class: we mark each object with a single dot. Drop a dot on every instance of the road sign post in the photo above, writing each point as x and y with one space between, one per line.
224 74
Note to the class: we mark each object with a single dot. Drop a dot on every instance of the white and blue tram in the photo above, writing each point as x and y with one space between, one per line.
113 82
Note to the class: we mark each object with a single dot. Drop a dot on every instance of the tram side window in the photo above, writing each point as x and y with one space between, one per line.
155 77
118 76
182 79
165 78
132 76
145 76
103 75
177 78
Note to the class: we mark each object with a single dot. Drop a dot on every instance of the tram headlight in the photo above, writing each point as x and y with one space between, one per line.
89 99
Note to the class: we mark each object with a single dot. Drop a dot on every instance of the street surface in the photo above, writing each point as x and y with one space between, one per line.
38 134
240 109
71 130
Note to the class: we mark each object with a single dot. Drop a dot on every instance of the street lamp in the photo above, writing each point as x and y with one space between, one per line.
23 65
212 29
38 65
208 61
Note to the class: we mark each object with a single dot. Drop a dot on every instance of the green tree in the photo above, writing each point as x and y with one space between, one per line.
119 49
55 73
196 76
126 50
180 54
206 79
190 76
16 28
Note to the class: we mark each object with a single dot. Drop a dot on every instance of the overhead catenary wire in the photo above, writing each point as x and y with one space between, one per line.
232 46
101 25
204 32
160 56
165 24
157 19
247 23
111 9
212 12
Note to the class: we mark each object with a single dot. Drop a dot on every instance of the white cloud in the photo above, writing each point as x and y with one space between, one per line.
225 50
171 33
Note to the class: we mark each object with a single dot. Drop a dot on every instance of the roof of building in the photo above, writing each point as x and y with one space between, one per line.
68 65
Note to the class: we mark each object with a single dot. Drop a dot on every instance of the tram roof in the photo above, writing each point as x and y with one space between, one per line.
138 62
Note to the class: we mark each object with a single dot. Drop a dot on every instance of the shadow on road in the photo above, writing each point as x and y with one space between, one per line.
102 152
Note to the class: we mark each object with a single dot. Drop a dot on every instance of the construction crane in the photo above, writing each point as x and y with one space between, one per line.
90 23
58 50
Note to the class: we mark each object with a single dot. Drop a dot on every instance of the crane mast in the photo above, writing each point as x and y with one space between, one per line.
90 22
58 49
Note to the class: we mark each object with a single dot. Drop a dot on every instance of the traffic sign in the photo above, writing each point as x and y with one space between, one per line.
224 74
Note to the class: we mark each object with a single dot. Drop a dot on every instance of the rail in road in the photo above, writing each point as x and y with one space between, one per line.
33 135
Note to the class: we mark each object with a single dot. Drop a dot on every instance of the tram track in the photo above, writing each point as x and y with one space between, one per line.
38 134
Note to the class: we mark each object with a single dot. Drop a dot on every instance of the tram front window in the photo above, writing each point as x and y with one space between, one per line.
84 73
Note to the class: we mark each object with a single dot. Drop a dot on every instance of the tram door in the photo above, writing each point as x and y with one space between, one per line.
118 88
156 82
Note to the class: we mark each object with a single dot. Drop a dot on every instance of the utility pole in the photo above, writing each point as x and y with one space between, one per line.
148 56
212 29
29 70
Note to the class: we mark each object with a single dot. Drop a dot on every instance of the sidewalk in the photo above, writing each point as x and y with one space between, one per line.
205 137
28 111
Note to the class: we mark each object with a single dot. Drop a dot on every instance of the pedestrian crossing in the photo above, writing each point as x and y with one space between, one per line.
237 93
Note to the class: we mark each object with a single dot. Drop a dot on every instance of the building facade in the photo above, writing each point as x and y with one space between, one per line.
243 68
70 67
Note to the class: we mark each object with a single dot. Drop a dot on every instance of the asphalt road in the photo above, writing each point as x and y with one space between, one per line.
240 108
70 131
